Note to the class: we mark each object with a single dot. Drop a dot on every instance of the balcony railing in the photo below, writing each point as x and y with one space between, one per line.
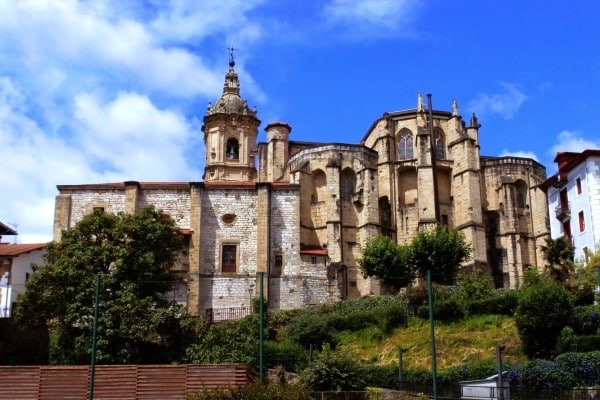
562 212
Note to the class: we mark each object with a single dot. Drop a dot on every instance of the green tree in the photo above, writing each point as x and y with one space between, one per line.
559 254
440 250
132 254
543 310
384 259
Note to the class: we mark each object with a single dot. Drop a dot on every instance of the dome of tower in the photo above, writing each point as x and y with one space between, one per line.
230 101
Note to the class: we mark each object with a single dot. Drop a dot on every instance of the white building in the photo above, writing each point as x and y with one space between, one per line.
574 201
15 268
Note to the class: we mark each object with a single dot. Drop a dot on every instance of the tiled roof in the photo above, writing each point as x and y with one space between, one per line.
6 230
18 249
313 251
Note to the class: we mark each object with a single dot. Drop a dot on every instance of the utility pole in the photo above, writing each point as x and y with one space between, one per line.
262 328
499 350
400 368
432 332
94 334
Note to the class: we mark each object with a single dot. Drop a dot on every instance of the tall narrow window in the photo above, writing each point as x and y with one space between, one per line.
405 145
232 149
578 185
440 150
229 258
581 222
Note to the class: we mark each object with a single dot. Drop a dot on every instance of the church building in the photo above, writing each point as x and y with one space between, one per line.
300 212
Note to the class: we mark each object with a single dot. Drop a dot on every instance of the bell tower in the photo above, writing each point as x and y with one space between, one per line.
230 129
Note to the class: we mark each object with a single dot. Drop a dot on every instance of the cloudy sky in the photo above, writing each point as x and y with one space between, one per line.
112 90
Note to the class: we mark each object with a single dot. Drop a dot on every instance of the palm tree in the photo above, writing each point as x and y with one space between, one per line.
559 254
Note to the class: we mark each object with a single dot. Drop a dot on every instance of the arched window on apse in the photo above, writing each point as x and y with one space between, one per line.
521 193
405 145
232 149
319 186
440 147
348 187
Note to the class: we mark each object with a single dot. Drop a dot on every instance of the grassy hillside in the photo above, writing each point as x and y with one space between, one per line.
472 339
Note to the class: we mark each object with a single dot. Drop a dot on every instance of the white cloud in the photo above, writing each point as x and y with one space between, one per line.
519 153
371 18
573 141
130 137
506 103
107 90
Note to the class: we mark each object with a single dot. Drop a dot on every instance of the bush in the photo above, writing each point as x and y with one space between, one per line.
291 356
567 371
333 372
586 320
503 302
256 391
392 316
543 310
474 286
310 329
446 310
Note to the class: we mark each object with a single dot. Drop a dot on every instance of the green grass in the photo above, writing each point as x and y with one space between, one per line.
471 339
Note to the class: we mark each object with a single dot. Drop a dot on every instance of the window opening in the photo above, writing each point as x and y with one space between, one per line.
581 222
405 146
229 258
232 149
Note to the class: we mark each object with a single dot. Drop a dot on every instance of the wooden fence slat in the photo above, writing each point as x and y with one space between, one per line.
118 382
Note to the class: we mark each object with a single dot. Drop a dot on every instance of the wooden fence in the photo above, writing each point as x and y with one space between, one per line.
118 382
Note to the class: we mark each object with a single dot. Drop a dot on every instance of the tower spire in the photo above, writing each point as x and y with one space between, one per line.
231 58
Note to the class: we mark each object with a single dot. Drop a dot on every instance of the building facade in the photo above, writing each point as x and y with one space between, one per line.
300 212
15 269
574 201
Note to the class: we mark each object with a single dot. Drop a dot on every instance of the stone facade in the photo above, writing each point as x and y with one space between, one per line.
299 213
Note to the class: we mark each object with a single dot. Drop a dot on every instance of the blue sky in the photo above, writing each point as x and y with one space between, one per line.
112 90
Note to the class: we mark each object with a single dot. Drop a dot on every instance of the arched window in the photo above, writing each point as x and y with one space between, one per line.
319 186
521 193
348 186
232 149
440 147
405 145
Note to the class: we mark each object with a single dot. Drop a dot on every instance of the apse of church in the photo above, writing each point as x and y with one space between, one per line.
300 212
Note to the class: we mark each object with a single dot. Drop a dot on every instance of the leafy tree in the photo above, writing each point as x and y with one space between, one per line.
440 250
384 259
543 310
559 254
132 255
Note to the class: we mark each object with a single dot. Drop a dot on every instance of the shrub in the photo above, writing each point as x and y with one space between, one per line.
543 310
310 329
256 391
392 316
503 302
586 320
446 310
474 286
333 372
291 356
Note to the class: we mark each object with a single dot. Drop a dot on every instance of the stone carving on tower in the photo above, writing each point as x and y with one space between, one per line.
230 129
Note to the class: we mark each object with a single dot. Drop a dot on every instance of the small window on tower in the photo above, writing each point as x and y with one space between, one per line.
232 149
578 184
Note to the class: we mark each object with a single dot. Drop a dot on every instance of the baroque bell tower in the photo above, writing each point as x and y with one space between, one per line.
230 129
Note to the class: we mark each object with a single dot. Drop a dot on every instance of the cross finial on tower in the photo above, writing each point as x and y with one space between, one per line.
231 50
